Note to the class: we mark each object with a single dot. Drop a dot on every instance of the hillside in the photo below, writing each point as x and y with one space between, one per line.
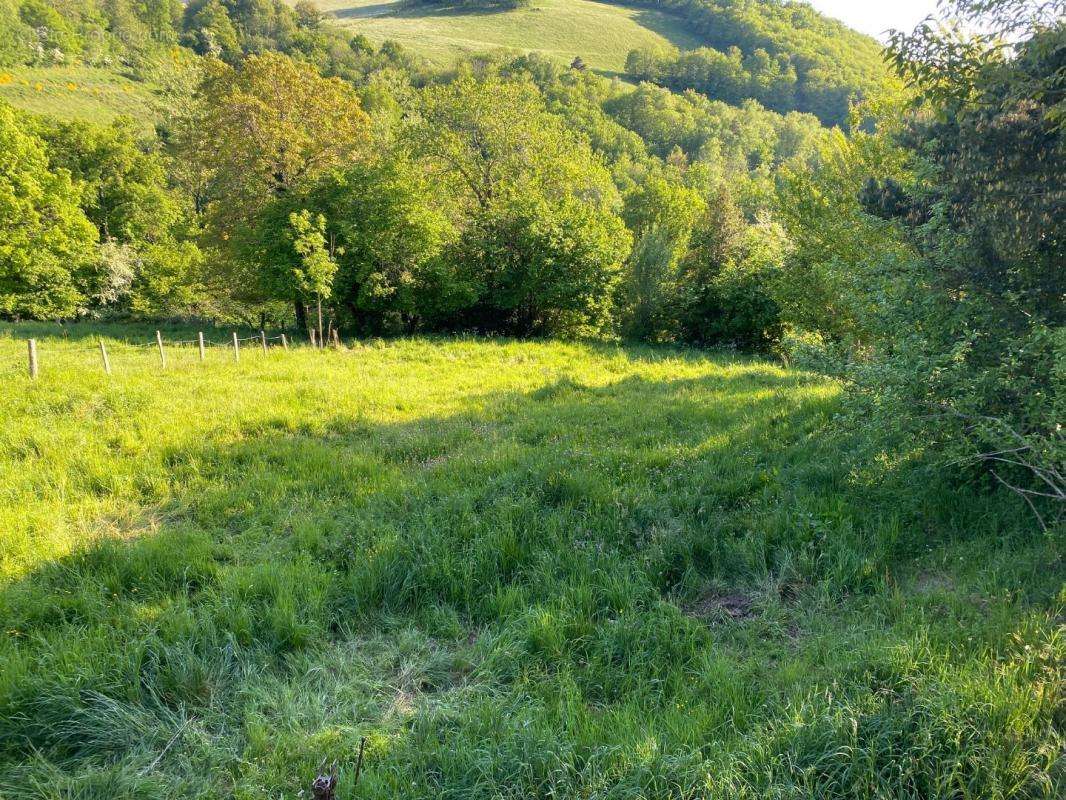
601 33
77 92
786 56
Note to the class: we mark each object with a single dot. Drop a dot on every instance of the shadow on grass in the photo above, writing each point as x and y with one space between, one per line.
414 10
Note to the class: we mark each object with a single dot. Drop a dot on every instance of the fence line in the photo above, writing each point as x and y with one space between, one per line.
38 359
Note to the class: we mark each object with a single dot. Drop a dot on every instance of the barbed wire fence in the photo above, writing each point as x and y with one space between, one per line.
111 355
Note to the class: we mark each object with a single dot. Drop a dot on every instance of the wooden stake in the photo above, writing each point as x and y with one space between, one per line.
284 342
336 340
263 339
33 357
236 348
162 355
103 356
200 341
313 342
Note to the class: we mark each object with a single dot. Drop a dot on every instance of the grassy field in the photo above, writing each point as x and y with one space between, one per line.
87 93
600 33
517 569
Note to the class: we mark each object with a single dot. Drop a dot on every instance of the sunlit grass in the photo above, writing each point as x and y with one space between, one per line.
601 33
520 569
77 92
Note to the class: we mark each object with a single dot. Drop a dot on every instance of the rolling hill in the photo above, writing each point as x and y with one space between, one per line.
602 34
77 92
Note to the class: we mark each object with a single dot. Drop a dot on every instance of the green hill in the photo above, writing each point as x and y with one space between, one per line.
602 34
77 92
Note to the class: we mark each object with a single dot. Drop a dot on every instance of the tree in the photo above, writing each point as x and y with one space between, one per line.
661 213
210 31
492 138
544 267
541 244
262 132
397 232
987 211
47 247
314 272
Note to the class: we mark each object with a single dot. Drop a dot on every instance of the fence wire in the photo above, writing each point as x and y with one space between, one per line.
125 355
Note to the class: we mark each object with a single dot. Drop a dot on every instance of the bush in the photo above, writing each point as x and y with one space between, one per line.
735 305
546 268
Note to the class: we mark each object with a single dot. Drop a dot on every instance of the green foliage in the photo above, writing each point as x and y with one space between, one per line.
125 189
730 76
540 245
939 274
542 266
395 230
210 31
314 272
47 263
243 134
662 213
785 55
17 39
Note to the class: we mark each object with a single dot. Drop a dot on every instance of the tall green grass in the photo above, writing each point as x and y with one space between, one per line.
519 569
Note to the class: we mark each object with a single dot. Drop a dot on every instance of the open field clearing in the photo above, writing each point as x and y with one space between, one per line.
83 93
600 33
518 569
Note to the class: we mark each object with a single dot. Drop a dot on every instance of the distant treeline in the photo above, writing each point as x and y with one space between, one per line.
784 54
138 38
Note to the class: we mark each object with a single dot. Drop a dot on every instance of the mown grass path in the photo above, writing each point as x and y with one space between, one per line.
518 569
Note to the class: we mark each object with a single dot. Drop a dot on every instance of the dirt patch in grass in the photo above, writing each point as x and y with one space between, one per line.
715 606
932 583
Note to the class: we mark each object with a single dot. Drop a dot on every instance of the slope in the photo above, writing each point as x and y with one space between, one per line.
77 92
602 34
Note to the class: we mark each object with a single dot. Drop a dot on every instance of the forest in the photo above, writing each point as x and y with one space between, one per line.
883 228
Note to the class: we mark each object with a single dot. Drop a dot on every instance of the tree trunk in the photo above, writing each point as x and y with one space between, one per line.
320 331
301 314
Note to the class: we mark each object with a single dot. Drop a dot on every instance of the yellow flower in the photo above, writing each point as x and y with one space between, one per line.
39 87
72 86
5 78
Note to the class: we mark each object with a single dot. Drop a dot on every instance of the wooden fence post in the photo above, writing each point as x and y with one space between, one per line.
313 342
33 357
263 339
284 342
162 355
103 356
200 341
336 340
236 348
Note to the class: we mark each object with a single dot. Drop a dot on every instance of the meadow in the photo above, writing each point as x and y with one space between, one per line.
601 33
78 92
518 569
